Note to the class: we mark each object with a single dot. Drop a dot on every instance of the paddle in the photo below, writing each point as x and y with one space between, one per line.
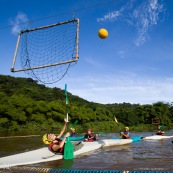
162 127
68 149
117 123
74 124
101 133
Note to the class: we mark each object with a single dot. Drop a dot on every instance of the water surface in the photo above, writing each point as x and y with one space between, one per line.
155 155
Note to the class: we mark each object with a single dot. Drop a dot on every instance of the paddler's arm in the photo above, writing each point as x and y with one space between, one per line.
126 136
91 136
63 129
87 137
63 141
56 147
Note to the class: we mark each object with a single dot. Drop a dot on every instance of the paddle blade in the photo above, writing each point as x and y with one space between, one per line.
68 151
75 123
65 89
162 127
115 119
101 133
66 99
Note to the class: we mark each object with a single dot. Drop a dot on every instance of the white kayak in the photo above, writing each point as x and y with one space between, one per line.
115 142
157 137
43 155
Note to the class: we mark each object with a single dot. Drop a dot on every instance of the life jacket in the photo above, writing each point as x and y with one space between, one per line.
56 142
126 133
73 134
90 140
160 133
89 137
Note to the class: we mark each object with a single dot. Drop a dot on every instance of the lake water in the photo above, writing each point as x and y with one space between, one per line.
153 155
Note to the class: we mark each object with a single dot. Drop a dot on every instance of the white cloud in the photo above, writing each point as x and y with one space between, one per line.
111 16
20 18
129 88
142 16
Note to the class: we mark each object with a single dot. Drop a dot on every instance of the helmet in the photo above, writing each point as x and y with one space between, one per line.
127 128
45 139
72 129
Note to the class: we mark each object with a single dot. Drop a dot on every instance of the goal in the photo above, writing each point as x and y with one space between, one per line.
46 53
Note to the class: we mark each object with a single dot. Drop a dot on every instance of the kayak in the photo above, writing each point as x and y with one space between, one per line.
134 139
118 141
44 155
157 137
78 138
115 142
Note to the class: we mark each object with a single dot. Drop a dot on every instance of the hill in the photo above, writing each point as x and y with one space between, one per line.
25 104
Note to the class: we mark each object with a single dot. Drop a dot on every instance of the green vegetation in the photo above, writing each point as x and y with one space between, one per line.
25 104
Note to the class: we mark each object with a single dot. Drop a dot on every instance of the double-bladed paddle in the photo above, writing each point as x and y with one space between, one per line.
118 125
68 149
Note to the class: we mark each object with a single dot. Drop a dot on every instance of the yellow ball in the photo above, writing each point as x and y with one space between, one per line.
103 33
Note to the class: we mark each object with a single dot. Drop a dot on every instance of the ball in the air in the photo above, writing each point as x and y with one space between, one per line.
103 33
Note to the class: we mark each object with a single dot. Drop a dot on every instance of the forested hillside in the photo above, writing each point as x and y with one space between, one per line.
25 104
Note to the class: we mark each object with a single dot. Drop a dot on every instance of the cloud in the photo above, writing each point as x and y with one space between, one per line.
19 19
111 16
142 16
129 88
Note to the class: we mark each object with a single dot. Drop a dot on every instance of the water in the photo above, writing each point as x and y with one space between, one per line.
142 155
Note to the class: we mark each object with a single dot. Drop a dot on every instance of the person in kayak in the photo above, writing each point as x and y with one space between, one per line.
56 145
73 132
159 130
125 134
89 137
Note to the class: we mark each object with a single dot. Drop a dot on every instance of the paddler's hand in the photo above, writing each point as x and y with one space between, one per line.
67 135
65 121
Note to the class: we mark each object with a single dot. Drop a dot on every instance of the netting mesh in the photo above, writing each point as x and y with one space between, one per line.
155 120
46 53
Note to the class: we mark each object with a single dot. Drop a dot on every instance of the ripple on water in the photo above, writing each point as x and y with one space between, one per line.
143 155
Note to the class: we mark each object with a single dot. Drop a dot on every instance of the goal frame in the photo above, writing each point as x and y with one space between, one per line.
156 121
74 59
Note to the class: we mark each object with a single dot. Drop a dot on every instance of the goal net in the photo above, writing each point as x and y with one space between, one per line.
156 121
46 53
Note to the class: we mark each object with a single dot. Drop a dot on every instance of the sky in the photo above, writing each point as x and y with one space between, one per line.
132 65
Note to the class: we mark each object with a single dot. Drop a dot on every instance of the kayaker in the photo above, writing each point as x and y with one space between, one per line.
56 145
125 134
89 137
73 132
160 131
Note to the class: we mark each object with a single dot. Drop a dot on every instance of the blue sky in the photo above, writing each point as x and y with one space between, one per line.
133 64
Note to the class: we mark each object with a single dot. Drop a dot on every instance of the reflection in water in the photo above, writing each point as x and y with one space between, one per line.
67 164
143 155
